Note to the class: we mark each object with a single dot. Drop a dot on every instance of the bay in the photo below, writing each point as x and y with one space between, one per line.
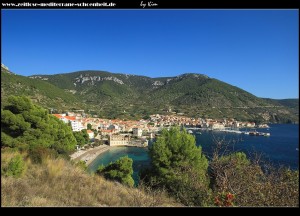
279 149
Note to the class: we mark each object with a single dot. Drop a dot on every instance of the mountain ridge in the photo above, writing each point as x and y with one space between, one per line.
117 95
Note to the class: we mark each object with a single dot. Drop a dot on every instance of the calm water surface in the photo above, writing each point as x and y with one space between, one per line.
279 149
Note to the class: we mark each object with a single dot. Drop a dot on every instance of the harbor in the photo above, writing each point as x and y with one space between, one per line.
277 148
250 133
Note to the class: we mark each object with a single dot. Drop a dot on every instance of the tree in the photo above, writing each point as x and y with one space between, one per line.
85 135
79 138
19 104
28 126
179 166
89 126
121 171
146 117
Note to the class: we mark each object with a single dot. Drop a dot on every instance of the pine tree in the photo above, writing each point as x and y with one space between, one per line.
121 171
179 166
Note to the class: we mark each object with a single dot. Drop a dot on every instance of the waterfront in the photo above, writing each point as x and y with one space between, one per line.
279 148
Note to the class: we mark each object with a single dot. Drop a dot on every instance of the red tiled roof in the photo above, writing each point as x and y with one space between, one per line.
89 131
57 115
71 118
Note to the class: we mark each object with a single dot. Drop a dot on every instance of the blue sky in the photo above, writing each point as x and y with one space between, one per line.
256 50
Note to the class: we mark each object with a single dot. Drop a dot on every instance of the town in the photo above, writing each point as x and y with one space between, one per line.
117 132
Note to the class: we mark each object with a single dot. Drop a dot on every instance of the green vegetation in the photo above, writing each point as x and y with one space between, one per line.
57 182
46 178
81 137
229 180
250 185
38 154
27 126
135 97
82 165
179 166
35 170
39 91
121 171
89 126
13 165
292 105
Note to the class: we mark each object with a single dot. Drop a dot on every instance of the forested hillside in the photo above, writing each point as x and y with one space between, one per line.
126 96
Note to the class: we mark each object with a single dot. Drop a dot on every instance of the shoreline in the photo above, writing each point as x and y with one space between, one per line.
89 155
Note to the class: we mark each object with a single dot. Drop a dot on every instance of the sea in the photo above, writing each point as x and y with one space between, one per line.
281 148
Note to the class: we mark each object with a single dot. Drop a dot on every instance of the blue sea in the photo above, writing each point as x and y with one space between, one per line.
281 148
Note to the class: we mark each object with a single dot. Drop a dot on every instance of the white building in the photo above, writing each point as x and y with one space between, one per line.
71 114
217 126
91 134
76 125
137 132
236 124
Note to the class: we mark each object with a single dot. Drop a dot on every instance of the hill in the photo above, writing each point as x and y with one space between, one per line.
58 182
126 96
41 92
293 104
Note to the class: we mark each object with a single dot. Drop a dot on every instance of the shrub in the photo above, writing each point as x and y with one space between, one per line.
39 154
82 165
15 167
121 171
251 186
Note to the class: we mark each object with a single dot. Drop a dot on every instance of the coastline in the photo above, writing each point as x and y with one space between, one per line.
90 154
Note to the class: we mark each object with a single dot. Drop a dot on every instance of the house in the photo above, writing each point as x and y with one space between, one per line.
236 124
75 124
114 127
118 140
106 132
71 114
250 124
91 134
61 117
137 132
217 126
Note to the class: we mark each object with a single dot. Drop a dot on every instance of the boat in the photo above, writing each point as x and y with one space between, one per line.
198 132
254 133
190 131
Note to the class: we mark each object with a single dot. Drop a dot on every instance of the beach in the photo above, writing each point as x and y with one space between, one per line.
90 154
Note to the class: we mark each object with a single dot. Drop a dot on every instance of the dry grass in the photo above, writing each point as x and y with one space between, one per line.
59 183
253 187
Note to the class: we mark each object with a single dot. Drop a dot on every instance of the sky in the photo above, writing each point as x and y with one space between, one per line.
256 50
